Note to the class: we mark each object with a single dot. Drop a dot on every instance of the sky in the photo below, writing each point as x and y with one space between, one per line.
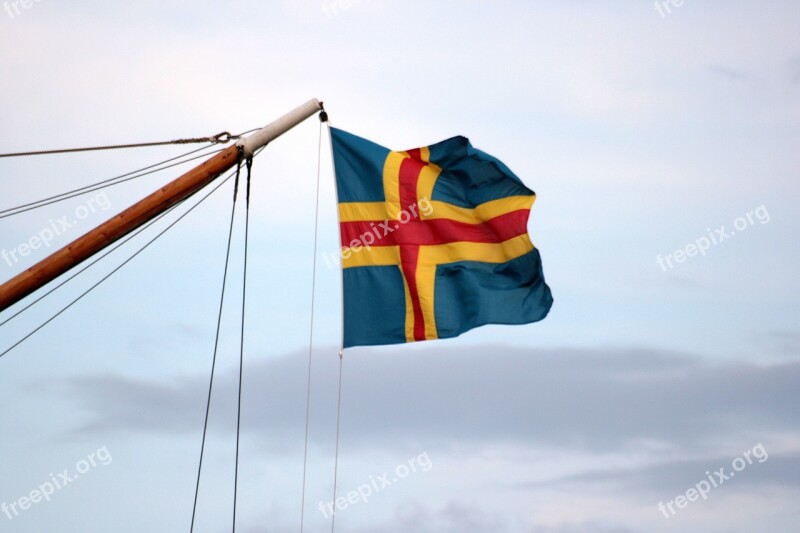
660 394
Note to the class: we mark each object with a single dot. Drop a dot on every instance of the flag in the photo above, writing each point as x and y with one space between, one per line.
434 242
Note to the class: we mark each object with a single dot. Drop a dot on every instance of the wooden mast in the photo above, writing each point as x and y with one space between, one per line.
146 209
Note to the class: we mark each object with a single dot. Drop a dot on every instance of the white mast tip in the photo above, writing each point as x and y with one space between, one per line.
277 128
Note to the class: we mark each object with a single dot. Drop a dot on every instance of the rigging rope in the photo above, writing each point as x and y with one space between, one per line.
104 278
336 455
216 344
117 179
84 190
220 138
105 183
323 119
105 253
249 164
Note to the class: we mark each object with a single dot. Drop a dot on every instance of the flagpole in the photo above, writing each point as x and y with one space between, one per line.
148 208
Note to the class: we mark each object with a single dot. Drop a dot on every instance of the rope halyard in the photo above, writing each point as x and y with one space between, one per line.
323 117
336 453
220 138
116 269
248 161
249 165
197 153
216 345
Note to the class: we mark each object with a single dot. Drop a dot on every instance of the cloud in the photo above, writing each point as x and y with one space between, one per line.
456 517
585 527
601 400
781 342
795 65
727 72
674 477
450 517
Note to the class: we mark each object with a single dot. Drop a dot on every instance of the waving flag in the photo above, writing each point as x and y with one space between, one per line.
434 242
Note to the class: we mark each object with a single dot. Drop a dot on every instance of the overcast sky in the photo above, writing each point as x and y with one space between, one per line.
647 131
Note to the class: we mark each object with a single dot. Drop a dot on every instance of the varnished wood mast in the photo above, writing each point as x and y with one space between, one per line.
146 209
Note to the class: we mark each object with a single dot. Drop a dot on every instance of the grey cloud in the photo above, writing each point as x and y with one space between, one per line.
459 517
667 479
453 517
600 399
782 342
727 72
583 527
